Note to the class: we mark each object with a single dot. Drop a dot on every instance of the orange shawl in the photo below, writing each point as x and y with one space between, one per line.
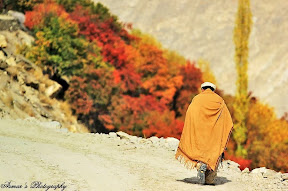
206 131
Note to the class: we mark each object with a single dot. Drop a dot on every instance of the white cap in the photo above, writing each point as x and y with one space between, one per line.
205 84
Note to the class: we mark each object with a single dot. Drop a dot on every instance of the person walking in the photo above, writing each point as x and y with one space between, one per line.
207 128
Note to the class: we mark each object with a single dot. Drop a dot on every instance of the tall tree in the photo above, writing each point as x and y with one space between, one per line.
241 39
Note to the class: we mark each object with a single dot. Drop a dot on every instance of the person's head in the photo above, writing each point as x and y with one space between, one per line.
208 85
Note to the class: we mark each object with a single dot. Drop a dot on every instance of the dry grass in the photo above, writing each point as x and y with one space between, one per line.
27 108
13 71
8 100
66 109
71 121
37 73
46 100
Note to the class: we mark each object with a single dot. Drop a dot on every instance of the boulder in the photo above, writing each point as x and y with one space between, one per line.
17 15
53 90
172 143
154 140
123 135
246 170
261 170
162 141
9 23
270 174
284 176
231 165
31 81
133 139
3 65
3 41
112 135
11 61
2 56
145 141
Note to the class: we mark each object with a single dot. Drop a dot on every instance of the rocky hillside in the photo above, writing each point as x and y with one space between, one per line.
202 29
24 91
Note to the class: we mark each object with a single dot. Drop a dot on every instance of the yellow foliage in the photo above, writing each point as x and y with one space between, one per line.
267 138
146 38
241 39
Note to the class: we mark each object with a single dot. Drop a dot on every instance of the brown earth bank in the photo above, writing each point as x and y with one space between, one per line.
36 153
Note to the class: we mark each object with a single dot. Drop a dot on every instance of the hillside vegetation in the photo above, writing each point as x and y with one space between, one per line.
118 78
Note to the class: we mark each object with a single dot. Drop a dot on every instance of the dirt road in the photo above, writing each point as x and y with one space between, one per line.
36 157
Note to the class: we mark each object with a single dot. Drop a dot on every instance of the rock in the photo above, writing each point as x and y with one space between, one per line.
53 90
172 143
112 135
8 23
133 139
3 41
3 65
12 71
270 174
154 140
246 170
228 164
145 141
2 55
17 15
261 170
284 176
73 129
123 135
31 81
25 38
11 61
162 141
4 79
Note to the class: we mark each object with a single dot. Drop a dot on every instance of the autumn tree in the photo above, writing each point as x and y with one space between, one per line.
192 79
267 142
241 39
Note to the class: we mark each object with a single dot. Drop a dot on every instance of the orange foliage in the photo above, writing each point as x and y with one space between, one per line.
154 70
36 17
192 79
163 125
267 138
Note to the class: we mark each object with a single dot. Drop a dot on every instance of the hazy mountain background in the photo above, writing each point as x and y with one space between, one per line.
204 29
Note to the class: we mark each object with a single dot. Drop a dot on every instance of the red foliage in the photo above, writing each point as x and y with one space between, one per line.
82 103
192 79
136 92
36 17
163 125
156 77
114 48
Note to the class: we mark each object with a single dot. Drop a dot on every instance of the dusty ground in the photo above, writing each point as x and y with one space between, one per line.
31 152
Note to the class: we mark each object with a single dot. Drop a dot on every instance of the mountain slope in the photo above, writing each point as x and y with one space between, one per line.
201 29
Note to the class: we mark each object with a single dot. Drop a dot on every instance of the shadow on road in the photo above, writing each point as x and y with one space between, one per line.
194 180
